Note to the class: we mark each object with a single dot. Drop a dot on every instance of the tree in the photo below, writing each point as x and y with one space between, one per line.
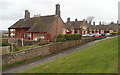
112 22
90 18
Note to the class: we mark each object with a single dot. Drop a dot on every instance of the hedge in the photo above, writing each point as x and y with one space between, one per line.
5 44
66 37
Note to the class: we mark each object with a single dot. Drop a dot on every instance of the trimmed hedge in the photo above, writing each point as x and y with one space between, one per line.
66 37
5 44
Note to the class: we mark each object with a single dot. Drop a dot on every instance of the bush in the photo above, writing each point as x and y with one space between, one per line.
5 44
66 37
72 36
60 36
61 39
114 33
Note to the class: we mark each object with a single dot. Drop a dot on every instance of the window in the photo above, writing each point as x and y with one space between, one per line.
111 31
76 31
42 35
102 31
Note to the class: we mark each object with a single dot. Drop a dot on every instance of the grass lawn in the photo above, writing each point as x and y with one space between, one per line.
27 47
101 57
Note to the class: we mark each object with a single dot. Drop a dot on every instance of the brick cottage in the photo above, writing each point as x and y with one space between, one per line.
39 27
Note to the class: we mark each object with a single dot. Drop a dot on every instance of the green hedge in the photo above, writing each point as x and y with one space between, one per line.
5 44
66 37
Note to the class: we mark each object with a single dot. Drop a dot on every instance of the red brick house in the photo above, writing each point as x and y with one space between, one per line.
76 26
39 27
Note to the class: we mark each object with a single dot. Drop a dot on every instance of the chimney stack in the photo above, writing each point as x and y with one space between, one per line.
27 14
76 19
117 22
58 10
94 23
90 22
68 19
100 23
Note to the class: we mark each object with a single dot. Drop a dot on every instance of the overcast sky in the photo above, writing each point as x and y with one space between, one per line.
13 10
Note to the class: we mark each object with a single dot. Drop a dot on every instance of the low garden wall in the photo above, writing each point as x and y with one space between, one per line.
24 55
42 51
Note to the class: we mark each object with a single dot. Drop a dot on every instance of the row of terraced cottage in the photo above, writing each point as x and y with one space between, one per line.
47 27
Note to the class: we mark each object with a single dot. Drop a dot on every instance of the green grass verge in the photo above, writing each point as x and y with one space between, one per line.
25 47
14 64
101 57
20 63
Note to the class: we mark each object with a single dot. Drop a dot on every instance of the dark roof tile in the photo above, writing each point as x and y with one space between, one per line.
36 24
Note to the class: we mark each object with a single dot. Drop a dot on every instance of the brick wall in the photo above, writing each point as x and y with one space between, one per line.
56 28
36 35
24 55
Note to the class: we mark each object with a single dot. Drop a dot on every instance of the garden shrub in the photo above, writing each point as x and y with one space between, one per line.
5 44
61 38
66 37
114 33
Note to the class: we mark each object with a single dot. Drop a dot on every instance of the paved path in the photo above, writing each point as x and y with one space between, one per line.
23 67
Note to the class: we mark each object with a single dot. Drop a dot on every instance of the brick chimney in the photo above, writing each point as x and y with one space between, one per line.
100 23
27 14
76 19
90 22
94 23
68 19
117 22
57 12
86 21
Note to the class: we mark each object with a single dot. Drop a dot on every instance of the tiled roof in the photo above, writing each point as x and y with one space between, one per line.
36 24
74 24
77 24
108 27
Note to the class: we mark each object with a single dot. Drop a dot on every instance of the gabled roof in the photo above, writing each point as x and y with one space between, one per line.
42 24
107 27
68 25
74 24
36 24
23 23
